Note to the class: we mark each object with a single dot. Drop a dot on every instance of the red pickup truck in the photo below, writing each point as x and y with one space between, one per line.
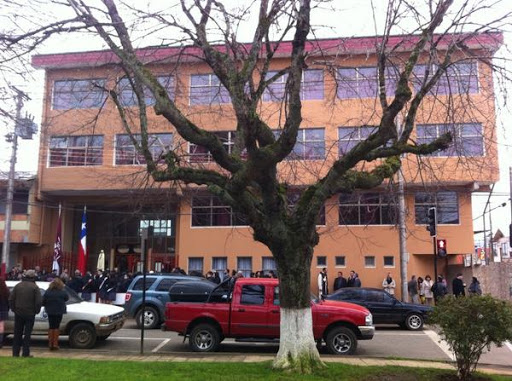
250 310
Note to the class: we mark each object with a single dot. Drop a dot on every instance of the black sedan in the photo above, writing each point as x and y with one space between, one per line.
385 308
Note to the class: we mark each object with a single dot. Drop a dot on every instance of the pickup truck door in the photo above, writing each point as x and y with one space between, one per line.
274 314
249 311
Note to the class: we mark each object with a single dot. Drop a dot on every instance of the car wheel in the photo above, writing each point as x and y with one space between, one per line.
151 318
103 338
82 336
204 338
341 341
414 322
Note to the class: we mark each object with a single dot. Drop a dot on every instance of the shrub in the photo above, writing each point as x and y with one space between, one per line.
471 324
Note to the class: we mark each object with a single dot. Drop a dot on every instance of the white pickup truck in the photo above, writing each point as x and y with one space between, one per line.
84 322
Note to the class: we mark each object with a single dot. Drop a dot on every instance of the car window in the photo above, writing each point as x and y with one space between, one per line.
348 294
73 296
276 296
138 285
375 296
253 294
165 284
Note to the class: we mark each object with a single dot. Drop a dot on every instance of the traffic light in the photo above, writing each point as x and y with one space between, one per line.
432 221
441 248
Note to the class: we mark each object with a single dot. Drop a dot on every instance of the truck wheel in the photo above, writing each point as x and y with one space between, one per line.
82 336
151 318
204 338
414 322
341 341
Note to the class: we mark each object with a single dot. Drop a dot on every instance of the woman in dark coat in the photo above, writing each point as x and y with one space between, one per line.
54 302
4 308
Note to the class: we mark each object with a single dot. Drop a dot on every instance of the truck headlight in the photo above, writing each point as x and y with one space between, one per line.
368 319
106 320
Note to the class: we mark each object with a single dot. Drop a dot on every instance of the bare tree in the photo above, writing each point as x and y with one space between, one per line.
247 176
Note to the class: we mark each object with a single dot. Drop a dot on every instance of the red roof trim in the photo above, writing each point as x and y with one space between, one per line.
338 46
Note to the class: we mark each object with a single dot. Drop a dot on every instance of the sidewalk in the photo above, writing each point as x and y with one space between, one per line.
229 357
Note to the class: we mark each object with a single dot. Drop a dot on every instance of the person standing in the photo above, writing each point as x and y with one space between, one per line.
421 291
25 301
439 289
427 290
474 288
322 283
4 308
412 288
54 302
339 282
389 284
458 286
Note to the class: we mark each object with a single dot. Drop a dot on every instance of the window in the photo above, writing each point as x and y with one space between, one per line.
389 261
340 261
276 296
244 264
459 78
311 86
321 261
138 285
293 198
375 296
211 211
127 154
19 201
268 264
195 264
160 227
369 261
128 98
310 144
253 294
165 284
76 151
199 154
362 82
219 264
467 138
447 204
73 94
349 137
207 89
367 209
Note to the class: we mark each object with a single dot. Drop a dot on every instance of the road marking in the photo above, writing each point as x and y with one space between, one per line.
134 338
161 345
443 345
388 333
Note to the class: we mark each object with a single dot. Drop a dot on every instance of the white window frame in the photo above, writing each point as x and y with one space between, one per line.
369 266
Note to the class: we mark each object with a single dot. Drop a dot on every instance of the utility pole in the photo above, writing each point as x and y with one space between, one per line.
510 225
25 128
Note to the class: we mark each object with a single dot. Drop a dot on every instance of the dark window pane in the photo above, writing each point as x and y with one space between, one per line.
253 294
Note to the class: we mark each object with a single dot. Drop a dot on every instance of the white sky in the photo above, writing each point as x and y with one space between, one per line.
352 18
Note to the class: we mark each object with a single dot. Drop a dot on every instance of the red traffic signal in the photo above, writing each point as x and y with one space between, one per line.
441 248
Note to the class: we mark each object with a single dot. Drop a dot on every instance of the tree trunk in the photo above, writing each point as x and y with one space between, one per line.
297 346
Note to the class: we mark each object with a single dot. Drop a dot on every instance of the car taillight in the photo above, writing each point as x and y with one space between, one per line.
127 297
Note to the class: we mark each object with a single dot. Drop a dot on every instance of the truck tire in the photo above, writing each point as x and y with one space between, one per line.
204 338
82 336
341 341
151 318
414 321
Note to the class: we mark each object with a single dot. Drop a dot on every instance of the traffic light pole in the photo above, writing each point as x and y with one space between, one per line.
434 244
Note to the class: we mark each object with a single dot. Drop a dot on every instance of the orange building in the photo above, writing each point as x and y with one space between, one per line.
87 159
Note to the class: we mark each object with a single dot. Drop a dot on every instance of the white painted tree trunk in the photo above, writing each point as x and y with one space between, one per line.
297 346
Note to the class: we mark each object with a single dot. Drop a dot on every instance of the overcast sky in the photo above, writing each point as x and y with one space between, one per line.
351 18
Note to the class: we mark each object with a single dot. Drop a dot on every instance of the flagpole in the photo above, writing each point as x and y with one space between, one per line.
57 247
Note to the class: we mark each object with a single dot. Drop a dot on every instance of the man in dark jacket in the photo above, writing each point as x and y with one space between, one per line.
339 282
25 301
458 286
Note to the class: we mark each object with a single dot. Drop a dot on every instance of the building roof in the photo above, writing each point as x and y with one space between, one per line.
336 46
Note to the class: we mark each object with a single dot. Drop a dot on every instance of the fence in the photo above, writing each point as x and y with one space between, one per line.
68 260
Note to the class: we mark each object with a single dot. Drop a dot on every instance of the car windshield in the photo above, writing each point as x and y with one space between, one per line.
73 296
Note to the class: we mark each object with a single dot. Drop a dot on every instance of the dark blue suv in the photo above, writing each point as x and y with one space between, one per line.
157 294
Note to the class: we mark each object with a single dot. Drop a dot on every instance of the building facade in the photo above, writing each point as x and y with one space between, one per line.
87 159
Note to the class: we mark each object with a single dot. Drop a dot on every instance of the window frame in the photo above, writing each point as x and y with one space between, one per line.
205 157
216 93
432 200
449 83
133 155
92 154
275 92
245 271
370 266
125 91
318 261
99 96
344 265
390 266
463 134
355 205
199 260
214 203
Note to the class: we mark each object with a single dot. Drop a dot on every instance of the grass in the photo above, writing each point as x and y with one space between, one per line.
66 369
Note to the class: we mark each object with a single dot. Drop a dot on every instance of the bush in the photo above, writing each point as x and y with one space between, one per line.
471 324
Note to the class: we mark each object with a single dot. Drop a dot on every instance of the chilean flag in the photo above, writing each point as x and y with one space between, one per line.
82 245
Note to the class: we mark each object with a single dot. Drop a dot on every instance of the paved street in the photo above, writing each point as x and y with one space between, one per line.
389 342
